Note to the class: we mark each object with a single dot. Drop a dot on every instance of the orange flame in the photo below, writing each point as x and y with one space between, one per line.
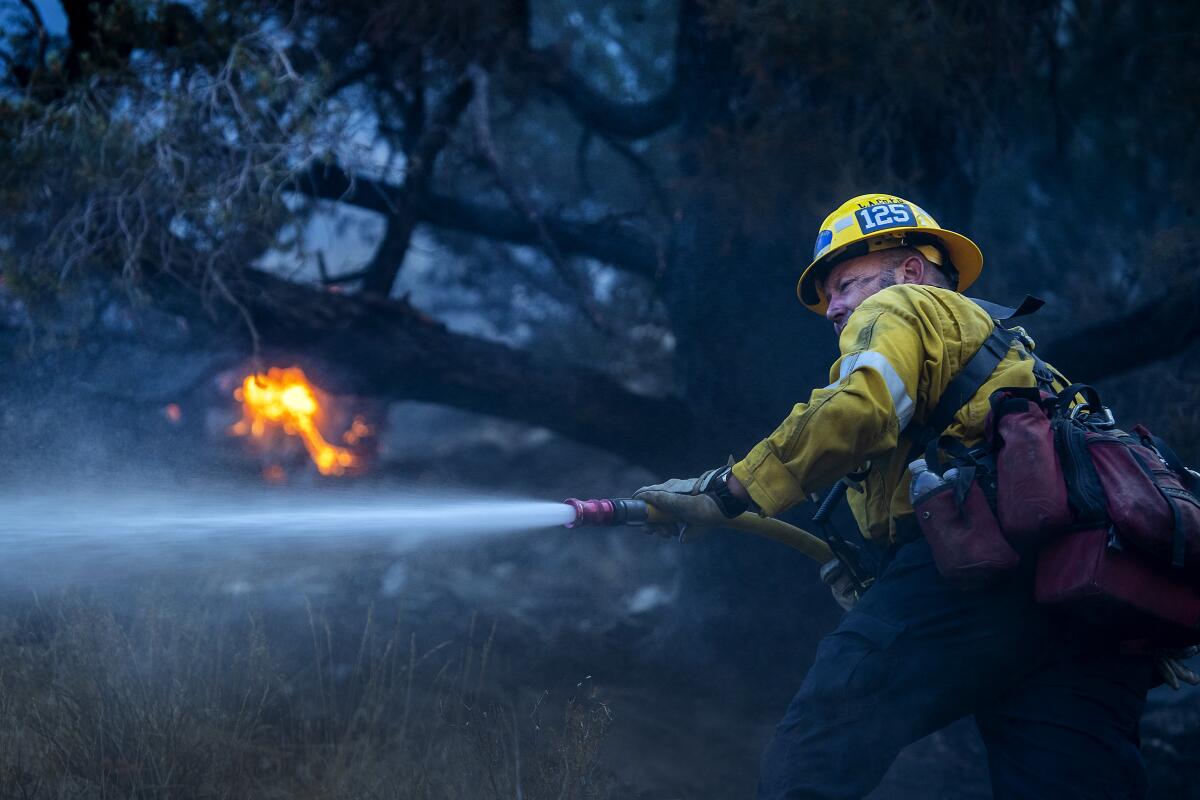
285 398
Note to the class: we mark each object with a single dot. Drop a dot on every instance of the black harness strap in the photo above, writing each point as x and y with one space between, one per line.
961 389
1043 373
976 371
1166 452
1001 313
1178 539
1171 495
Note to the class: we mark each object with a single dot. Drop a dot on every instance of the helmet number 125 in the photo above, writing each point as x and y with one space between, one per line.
884 215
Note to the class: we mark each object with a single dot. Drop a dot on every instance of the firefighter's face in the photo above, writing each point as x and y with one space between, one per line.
856 279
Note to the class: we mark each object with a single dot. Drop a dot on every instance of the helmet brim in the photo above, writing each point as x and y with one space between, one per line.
964 255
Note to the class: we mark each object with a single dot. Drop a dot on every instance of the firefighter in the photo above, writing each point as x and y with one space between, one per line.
1057 709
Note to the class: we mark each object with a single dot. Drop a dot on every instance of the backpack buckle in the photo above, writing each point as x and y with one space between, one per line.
1103 418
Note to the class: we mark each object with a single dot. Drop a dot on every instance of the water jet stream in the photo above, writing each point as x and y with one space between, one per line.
63 532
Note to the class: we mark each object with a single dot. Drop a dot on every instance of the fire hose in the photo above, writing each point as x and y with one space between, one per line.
625 511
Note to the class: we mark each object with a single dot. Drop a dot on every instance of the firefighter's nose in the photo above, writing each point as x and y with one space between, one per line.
836 313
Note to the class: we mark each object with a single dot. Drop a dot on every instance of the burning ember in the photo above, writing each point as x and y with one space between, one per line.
284 399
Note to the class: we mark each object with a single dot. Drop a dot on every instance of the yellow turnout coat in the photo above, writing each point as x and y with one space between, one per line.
899 350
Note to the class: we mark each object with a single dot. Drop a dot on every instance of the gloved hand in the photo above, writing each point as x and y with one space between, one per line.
837 578
697 504
1171 666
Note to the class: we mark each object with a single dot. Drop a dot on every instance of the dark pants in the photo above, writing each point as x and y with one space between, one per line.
1059 714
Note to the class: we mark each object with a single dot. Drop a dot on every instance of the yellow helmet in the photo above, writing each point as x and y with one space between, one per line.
872 222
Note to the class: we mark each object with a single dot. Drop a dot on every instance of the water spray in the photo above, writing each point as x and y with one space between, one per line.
627 511
62 537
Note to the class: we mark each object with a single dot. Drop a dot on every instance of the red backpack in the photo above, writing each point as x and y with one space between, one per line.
1111 515
1111 518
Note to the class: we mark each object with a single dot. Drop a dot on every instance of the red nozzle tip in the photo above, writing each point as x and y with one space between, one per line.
590 512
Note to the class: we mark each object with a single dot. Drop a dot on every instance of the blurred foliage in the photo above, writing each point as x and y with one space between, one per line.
838 95
168 164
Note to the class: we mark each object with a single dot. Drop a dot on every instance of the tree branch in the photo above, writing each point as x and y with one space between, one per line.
484 143
618 244
441 124
1157 329
614 243
380 273
622 120
389 256
373 346
331 182
43 38
644 171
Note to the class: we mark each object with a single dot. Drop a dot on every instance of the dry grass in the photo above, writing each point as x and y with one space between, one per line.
181 700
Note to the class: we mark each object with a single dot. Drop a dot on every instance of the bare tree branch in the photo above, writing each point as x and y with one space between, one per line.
43 37
595 110
481 118
619 244
328 279
331 182
380 273
346 277
389 256
441 124
644 171
1157 329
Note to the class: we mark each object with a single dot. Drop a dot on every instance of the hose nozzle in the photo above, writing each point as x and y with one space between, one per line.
627 511
606 513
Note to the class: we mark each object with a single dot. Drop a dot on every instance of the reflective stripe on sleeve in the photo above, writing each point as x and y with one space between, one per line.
870 359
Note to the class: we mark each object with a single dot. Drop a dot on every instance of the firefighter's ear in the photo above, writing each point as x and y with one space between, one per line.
913 270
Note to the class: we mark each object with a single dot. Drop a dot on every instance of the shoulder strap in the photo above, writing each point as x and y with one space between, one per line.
1043 373
1001 313
975 372
961 389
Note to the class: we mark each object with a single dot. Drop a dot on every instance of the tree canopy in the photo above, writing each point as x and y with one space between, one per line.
626 191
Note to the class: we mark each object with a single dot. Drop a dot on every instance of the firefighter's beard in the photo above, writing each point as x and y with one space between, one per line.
886 278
